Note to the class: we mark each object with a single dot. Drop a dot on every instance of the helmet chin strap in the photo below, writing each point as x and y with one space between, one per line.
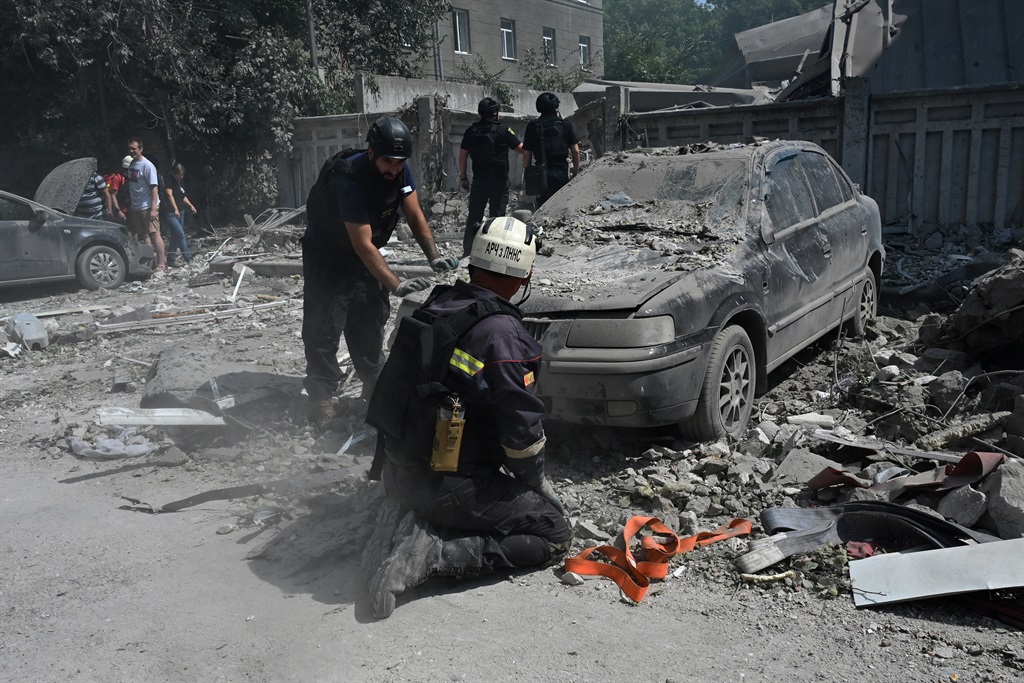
526 290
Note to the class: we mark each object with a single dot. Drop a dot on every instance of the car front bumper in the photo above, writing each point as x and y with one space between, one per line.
619 387
141 259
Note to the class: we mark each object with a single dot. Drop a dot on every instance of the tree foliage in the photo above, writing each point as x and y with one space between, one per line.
682 41
222 79
536 68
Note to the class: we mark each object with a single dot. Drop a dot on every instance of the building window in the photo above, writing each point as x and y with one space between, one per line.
585 52
508 39
549 46
460 30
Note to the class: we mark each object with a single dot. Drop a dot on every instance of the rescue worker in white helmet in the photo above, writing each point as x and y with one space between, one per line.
465 518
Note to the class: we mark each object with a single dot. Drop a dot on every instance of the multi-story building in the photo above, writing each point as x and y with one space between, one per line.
495 35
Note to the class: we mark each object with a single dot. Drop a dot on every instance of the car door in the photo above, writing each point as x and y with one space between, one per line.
29 248
844 221
797 285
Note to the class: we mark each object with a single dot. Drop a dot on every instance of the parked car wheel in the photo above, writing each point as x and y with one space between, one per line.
867 306
100 267
727 394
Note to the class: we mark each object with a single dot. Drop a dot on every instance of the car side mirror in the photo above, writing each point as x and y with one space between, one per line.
39 219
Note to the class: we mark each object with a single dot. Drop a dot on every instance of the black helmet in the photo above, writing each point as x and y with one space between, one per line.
547 103
487 108
389 137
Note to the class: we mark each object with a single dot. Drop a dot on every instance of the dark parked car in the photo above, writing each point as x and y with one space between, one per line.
711 268
40 243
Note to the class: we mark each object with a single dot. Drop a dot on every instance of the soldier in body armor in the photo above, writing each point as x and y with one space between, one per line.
486 143
548 141
352 210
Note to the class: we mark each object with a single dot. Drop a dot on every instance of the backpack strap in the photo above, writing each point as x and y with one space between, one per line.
453 327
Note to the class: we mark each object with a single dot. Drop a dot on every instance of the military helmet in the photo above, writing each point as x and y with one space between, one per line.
389 137
487 108
505 246
547 103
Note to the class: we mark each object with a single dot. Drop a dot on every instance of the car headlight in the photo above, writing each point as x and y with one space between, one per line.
629 333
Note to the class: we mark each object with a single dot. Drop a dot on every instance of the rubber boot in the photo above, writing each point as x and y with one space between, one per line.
419 554
377 549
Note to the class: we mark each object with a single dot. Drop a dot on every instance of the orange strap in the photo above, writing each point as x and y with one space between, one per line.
633 577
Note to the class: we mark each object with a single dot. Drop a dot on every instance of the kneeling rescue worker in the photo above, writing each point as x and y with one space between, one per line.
447 426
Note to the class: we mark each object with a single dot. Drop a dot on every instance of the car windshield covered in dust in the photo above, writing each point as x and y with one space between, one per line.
672 281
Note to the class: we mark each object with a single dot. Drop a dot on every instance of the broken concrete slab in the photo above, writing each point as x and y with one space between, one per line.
1005 491
800 465
963 505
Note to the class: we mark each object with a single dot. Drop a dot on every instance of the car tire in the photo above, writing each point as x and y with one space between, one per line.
100 267
727 393
867 306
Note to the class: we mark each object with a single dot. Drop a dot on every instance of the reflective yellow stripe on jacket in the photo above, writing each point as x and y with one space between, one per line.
465 362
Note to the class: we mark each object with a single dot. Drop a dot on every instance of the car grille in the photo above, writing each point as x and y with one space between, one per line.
535 327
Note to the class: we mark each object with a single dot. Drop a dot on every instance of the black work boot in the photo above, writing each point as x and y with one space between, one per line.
377 549
319 413
419 554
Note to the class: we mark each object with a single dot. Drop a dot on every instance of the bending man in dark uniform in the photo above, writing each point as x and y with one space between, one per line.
487 143
352 210
474 519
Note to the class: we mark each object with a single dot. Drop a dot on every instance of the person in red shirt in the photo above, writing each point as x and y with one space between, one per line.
117 188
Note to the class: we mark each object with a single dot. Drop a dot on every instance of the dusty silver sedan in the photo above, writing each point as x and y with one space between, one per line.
675 282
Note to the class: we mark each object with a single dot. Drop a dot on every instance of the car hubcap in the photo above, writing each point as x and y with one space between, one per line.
867 302
733 397
104 269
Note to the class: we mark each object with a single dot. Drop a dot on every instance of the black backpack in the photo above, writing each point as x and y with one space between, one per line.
404 403
486 146
552 138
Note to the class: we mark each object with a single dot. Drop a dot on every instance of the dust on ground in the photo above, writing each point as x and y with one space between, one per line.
264 585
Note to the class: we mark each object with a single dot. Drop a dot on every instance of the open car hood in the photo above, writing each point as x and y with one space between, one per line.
63 186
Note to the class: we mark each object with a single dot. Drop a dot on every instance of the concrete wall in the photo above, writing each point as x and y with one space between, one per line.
437 137
390 93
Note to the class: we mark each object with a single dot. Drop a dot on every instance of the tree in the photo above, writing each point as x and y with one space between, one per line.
221 77
660 41
536 68
682 41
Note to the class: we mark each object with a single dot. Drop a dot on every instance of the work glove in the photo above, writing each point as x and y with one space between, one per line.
415 284
442 264
547 492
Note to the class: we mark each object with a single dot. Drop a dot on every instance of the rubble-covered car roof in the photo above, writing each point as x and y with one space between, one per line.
634 222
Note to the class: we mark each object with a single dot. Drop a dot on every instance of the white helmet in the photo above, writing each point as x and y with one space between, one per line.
127 162
505 246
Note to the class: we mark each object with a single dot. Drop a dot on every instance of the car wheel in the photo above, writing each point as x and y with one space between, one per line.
727 394
867 306
99 267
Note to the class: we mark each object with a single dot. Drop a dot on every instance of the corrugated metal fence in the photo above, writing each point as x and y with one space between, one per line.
935 158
